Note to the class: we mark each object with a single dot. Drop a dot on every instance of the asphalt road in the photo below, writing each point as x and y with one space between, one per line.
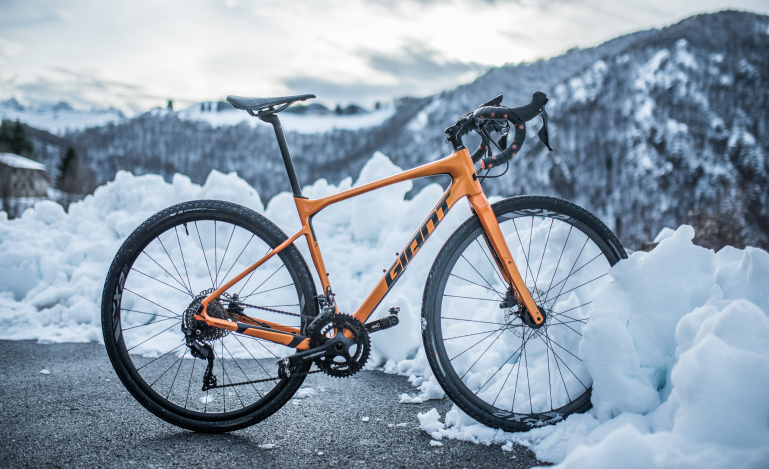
80 415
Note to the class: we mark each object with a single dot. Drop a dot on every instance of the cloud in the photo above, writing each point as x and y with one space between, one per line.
85 90
416 62
415 70
10 48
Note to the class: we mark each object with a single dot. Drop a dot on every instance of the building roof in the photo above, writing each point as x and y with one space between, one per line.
16 161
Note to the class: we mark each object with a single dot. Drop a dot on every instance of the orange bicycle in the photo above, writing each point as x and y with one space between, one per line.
212 319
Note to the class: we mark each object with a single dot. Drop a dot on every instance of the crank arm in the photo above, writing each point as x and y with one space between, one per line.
300 358
382 324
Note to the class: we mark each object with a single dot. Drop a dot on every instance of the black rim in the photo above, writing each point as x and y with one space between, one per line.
171 269
498 362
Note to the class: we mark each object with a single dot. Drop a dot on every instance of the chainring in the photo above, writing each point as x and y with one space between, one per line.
356 351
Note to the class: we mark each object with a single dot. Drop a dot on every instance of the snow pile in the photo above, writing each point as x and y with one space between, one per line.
678 349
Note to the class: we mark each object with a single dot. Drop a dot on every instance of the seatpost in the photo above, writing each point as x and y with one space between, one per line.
273 119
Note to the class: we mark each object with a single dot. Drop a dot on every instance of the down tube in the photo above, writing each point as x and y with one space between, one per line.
405 256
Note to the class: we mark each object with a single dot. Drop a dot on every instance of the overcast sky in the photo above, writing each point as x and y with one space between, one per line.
136 54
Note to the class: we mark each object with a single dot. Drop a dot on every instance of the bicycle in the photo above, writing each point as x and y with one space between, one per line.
502 345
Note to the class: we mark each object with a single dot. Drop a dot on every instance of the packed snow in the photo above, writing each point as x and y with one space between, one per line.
677 347
677 344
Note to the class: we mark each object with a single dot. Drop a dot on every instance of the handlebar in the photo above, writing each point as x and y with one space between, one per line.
492 111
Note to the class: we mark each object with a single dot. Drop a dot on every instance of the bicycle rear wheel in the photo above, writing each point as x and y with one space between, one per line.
496 367
158 277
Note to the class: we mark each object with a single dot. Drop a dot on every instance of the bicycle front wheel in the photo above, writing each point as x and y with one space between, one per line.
153 288
491 362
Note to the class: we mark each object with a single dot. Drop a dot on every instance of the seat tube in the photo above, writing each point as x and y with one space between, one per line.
273 119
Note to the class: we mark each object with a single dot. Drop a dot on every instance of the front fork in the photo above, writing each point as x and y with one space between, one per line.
501 253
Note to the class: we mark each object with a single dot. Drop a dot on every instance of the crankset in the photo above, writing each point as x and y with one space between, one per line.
340 347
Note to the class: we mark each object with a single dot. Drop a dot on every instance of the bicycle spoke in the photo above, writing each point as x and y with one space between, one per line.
549 384
164 269
570 309
126 289
205 258
523 251
549 340
452 359
181 251
482 354
557 365
572 268
544 250
216 277
252 356
567 278
172 325
238 258
474 320
517 351
493 266
242 371
157 280
579 286
173 263
190 383
158 358
265 281
219 269
470 281
474 333
479 274
148 324
561 323
272 289
150 314
176 375
528 381
162 374
559 258
528 253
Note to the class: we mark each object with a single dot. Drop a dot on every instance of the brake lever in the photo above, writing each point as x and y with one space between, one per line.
543 135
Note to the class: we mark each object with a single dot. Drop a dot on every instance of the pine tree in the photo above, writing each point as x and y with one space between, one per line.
17 140
67 171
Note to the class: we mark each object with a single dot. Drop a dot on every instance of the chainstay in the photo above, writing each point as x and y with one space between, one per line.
246 305
262 380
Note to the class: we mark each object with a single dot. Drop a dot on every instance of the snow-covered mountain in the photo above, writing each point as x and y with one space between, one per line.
652 129
58 118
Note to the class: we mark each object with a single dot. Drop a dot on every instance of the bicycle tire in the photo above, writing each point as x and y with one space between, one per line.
130 271
481 383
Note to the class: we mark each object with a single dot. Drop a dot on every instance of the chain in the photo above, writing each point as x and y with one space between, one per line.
246 305
262 380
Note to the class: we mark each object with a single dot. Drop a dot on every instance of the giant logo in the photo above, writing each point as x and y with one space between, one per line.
408 252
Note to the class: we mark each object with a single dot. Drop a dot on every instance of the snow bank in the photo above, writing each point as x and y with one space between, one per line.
678 349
